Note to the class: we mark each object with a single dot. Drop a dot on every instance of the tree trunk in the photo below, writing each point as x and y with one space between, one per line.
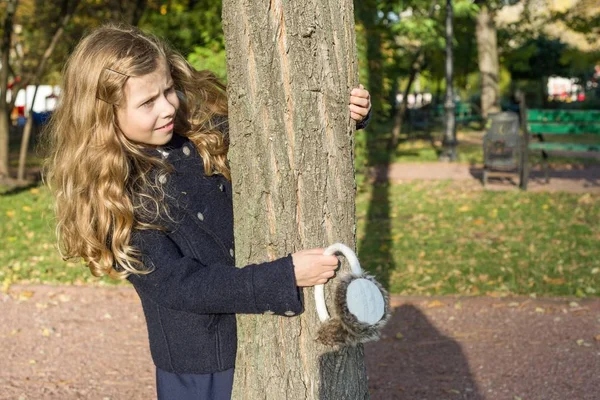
25 139
290 68
367 15
66 17
415 68
449 142
487 49
4 112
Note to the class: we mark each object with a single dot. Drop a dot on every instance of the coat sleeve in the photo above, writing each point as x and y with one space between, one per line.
183 283
365 122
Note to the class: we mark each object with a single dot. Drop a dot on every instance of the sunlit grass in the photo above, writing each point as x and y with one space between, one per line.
443 238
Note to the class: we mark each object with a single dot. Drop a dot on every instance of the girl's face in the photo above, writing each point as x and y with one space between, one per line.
151 102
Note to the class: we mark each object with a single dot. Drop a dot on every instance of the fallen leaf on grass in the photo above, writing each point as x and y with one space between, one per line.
399 336
539 310
585 199
553 281
597 338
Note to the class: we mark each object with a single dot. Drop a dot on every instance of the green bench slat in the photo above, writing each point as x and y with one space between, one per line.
563 128
561 116
564 146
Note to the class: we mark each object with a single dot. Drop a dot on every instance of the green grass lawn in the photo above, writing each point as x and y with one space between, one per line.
418 238
442 238
28 252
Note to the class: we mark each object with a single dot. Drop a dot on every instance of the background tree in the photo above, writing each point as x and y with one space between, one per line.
11 7
449 141
291 66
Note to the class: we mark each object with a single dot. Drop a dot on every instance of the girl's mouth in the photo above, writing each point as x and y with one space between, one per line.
166 127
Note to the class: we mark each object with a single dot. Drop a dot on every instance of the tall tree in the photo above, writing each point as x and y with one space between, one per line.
68 8
489 67
291 66
11 8
449 141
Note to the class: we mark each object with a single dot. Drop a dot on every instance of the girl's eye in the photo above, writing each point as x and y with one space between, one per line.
170 89
148 103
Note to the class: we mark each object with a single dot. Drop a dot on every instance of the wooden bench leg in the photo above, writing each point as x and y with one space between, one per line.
545 166
484 177
524 168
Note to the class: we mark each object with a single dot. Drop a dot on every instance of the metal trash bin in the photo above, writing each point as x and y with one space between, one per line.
501 144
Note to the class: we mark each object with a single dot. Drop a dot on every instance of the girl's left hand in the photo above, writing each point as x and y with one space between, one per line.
360 103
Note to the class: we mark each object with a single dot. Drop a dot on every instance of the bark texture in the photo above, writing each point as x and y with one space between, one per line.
290 67
487 50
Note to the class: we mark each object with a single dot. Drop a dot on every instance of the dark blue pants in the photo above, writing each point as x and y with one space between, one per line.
217 386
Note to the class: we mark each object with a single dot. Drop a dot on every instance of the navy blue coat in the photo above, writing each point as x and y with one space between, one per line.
191 298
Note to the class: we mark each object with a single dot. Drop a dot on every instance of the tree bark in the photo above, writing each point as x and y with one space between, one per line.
4 113
489 68
449 142
290 68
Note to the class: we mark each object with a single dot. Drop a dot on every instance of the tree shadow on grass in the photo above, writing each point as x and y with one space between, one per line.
375 248
416 361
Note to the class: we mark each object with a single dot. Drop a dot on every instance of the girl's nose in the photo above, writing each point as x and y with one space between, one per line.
169 105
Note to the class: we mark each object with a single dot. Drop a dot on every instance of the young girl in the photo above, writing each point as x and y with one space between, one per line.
139 172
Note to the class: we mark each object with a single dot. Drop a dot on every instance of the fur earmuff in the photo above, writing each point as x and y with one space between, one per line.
345 328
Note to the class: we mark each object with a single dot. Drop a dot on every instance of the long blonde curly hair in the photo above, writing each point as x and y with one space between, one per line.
103 184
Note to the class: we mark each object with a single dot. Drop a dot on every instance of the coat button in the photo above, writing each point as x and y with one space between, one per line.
222 187
268 312
162 179
200 216
289 313
186 150
231 252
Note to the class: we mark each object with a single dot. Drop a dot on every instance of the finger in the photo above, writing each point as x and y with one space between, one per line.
359 101
356 117
360 85
360 93
328 274
329 261
358 110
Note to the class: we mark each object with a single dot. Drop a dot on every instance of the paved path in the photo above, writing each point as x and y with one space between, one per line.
67 342
576 179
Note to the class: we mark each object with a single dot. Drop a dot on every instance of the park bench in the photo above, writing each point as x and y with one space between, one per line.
566 125
463 112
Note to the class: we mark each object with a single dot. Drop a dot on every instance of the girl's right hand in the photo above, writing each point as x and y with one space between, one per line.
311 267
